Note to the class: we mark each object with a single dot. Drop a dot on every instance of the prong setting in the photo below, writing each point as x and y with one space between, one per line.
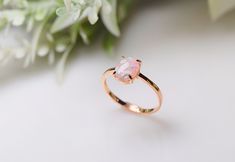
139 61
127 70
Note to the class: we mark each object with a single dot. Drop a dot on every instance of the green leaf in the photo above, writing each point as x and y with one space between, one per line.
62 22
109 43
3 23
109 16
35 40
84 35
65 19
60 67
40 14
219 7
61 11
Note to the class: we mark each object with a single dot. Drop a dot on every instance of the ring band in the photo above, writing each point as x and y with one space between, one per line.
126 72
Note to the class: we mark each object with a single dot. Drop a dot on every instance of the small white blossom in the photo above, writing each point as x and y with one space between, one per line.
90 9
20 53
60 47
43 50
15 17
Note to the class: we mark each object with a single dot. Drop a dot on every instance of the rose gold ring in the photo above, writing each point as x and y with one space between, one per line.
126 72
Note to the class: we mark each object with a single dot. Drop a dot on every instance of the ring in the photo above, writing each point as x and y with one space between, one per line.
126 72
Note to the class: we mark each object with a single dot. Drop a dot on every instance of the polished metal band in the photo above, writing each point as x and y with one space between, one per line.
129 106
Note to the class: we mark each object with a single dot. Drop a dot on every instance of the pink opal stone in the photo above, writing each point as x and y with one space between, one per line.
126 68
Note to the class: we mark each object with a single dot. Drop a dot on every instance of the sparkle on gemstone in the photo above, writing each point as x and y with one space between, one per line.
127 69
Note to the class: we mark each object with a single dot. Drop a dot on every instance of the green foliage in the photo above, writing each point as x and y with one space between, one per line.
56 25
220 7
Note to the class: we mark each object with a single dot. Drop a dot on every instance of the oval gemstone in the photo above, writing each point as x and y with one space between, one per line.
127 69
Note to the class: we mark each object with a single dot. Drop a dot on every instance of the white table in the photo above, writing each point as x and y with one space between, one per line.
189 57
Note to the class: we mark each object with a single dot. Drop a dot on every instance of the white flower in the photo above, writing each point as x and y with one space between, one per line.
14 3
60 47
15 17
20 53
43 50
90 9
7 52
39 19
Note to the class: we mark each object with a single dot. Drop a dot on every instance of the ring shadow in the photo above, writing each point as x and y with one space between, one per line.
147 128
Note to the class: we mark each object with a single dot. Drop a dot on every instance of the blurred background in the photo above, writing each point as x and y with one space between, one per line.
187 54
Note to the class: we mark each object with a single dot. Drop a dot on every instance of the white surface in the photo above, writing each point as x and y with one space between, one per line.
190 58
